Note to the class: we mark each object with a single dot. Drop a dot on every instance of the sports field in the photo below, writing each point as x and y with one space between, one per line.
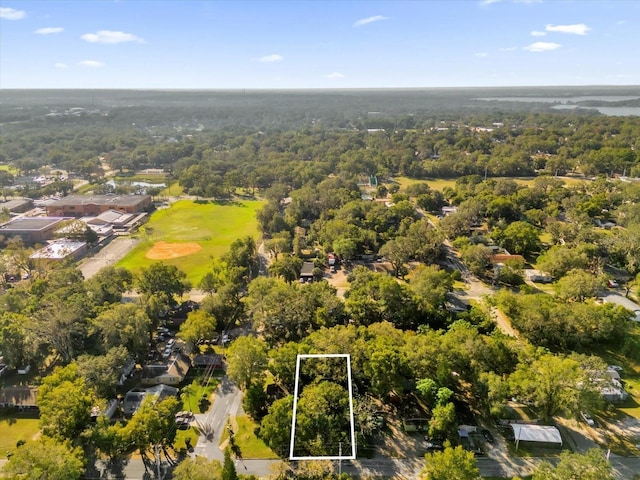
188 234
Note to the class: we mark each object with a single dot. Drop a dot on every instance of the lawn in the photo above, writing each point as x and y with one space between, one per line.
214 226
250 445
14 429
196 398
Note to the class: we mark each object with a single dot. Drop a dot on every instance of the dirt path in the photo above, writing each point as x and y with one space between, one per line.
504 323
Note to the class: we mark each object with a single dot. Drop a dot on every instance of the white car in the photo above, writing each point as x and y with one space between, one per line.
587 418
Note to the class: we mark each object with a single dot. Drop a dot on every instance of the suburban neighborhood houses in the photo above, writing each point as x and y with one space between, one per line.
183 297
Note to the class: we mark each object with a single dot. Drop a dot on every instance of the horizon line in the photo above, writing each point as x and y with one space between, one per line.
283 89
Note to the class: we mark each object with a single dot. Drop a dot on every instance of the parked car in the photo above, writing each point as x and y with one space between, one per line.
617 368
434 446
587 418
613 284
487 436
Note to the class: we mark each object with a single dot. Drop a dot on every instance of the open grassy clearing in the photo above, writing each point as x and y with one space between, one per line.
13 430
9 168
250 446
214 226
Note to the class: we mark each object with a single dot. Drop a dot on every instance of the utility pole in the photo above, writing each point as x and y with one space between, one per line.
340 459
157 452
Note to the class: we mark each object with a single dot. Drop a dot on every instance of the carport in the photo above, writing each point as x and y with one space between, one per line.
542 435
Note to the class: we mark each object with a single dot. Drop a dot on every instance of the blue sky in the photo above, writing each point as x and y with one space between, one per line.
317 44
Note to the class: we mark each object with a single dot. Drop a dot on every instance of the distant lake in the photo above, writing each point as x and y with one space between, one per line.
563 103
610 111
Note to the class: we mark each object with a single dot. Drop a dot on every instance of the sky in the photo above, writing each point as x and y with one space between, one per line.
182 44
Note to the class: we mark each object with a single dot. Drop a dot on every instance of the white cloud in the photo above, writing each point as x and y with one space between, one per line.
334 75
576 29
60 65
110 37
482 54
12 14
542 46
271 58
537 33
368 20
49 30
90 64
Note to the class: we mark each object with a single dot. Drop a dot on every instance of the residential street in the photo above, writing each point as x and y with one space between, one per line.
624 468
227 403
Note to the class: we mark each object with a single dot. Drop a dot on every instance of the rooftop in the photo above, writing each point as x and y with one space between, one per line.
58 250
131 200
30 224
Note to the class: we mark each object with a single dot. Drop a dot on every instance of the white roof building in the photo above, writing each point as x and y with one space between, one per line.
536 433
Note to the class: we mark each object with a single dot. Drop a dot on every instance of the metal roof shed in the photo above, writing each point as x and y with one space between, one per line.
536 434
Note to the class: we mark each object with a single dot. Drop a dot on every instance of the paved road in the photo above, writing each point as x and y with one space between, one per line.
227 403
108 255
624 468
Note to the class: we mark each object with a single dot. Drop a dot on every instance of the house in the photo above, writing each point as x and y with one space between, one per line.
134 398
20 397
112 406
88 205
501 258
449 210
613 391
172 373
209 362
32 230
126 371
306 274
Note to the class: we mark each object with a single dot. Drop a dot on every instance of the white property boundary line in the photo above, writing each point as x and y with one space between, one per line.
295 406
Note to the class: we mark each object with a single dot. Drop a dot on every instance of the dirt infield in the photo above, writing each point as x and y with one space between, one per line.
165 250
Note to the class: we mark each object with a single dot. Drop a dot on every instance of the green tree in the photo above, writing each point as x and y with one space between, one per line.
228 468
198 468
275 428
560 259
19 345
65 403
398 251
45 459
199 325
431 285
124 324
247 361
443 420
578 285
108 285
519 238
553 384
161 278
477 258
592 465
102 372
450 464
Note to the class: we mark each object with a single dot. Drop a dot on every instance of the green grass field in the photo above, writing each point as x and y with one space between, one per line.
250 445
214 226
13 430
